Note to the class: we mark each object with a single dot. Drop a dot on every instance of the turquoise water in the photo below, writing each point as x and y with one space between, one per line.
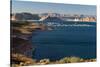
63 41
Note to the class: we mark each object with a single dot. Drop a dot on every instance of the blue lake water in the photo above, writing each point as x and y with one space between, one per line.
64 41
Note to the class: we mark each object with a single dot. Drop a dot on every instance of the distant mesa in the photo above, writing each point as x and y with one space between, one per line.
51 17
88 19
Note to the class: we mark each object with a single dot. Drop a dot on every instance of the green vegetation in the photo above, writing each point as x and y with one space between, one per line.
70 60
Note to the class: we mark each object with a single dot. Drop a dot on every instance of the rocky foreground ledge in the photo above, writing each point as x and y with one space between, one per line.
21 47
24 61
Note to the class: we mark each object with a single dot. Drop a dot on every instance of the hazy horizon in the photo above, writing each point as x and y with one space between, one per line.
42 7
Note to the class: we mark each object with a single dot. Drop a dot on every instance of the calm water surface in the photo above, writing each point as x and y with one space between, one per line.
65 41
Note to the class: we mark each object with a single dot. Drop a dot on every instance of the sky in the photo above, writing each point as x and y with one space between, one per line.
40 7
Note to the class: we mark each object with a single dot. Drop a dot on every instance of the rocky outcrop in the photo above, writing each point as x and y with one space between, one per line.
21 47
24 16
21 59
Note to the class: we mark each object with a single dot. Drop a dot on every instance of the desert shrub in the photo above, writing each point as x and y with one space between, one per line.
93 60
70 60
74 59
44 61
64 60
28 62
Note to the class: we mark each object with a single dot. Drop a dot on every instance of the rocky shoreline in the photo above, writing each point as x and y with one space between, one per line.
21 47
